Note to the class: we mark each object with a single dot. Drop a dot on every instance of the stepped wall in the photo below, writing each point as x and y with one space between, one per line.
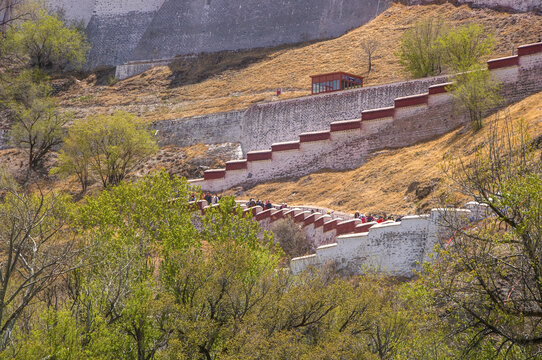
262 125
347 144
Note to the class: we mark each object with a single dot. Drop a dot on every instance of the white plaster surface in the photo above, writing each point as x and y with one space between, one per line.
393 248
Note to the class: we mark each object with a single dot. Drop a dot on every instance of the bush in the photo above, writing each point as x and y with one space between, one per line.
292 238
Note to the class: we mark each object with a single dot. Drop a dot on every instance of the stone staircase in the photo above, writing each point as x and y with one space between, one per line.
321 226
393 248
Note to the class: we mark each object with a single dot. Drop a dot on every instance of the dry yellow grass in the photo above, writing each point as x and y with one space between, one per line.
150 95
381 185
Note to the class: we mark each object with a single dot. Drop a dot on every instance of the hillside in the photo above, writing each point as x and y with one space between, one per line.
402 181
158 94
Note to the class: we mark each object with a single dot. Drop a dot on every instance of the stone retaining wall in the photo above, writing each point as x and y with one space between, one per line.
262 125
347 144
127 30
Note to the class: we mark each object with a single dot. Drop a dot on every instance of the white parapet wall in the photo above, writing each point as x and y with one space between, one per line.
392 248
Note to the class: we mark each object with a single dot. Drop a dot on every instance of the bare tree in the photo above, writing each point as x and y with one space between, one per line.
369 47
490 278
33 253
8 14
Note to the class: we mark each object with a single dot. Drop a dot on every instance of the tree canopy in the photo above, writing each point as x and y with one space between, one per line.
46 41
105 148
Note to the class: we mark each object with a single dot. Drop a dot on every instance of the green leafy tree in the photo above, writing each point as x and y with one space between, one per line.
420 52
37 124
123 232
465 47
46 41
473 87
106 147
477 93
429 46
74 157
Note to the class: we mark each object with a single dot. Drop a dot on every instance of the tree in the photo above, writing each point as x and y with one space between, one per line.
477 92
420 52
369 47
465 47
36 251
123 232
106 147
36 122
473 87
156 279
489 279
46 41
74 158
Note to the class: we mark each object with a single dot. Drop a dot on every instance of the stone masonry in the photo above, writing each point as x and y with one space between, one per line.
127 30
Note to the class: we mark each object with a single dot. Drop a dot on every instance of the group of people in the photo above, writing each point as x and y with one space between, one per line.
210 198
215 199
267 205
380 219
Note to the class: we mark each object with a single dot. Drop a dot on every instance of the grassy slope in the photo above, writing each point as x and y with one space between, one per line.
152 96
382 184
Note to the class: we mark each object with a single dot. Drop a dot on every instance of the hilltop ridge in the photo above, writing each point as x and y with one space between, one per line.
158 95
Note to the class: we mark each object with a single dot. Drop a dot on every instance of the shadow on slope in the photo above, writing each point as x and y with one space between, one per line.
196 68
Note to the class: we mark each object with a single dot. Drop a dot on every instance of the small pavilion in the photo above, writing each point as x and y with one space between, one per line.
336 81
